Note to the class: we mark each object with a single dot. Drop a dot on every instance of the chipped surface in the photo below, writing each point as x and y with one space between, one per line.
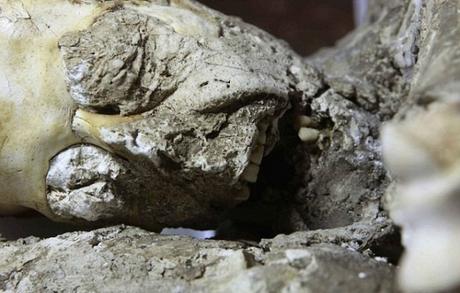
421 150
176 91
123 258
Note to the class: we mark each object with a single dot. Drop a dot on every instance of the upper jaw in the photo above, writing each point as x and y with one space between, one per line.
228 148
200 137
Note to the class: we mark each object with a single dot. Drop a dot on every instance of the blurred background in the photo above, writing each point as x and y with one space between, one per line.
307 25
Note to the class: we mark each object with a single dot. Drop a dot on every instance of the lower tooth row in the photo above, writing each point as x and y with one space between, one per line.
257 155
252 170
262 139
251 173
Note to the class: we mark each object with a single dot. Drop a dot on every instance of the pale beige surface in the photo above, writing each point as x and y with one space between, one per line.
35 105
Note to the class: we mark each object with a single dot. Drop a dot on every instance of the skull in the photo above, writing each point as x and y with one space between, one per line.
155 113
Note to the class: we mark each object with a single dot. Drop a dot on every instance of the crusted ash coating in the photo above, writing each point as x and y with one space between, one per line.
190 108
120 259
365 82
166 108
421 149
335 178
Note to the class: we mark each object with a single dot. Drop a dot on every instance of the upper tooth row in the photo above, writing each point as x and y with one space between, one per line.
252 170
306 134
251 173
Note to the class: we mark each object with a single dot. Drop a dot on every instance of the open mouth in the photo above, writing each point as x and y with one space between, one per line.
274 174
251 173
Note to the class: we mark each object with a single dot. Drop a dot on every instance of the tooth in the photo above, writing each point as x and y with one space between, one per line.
251 173
304 121
308 135
89 124
257 155
262 139
263 127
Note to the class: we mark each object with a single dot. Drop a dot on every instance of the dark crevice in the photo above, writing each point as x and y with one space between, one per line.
214 134
281 174
389 246
107 109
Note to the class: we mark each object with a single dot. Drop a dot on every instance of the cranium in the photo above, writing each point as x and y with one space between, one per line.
155 113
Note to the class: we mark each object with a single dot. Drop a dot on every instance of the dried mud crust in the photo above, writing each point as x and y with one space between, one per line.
328 188
124 258
127 63
189 108
335 185
421 149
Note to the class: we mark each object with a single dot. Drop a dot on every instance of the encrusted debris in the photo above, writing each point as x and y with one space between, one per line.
121 259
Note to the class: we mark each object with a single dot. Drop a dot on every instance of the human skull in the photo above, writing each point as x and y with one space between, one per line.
156 113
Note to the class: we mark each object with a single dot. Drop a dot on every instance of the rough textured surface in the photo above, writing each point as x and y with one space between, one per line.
363 85
425 198
89 178
196 136
183 97
421 149
210 93
347 93
377 238
187 111
121 259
